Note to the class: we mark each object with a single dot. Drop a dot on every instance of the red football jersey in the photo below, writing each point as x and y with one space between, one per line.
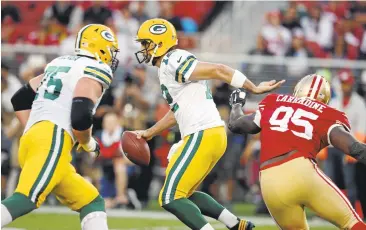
291 123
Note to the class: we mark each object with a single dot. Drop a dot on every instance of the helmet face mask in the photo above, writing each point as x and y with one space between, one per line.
114 61
147 51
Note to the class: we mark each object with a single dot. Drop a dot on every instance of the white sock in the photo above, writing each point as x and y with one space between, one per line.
207 227
5 216
227 218
95 221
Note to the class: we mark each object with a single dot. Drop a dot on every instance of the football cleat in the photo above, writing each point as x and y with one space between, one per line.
243 225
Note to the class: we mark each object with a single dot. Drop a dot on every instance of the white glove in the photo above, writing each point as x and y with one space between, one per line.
91 147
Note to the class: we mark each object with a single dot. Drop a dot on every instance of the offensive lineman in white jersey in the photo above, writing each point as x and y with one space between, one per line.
56 109
183 82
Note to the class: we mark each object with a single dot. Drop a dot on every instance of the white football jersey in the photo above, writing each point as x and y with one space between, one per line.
54 96
191 101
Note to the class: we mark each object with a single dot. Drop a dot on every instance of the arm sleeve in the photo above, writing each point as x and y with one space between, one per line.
23 98
180 64
100 74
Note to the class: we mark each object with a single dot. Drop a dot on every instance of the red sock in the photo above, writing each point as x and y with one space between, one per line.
359 226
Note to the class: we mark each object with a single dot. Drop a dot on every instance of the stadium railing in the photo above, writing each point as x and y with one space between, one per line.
229 58
258 68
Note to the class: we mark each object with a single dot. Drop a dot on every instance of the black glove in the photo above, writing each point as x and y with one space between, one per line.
238 96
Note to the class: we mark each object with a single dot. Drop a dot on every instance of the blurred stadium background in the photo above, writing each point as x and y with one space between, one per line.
266 40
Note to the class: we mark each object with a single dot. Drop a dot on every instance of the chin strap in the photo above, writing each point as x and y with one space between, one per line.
153 55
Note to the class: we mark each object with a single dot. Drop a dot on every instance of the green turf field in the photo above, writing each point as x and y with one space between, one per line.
242 209
71 222
154 218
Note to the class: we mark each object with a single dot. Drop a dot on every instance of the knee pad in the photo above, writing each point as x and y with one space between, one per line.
97 205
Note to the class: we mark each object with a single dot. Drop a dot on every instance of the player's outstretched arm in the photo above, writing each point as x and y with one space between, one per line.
86 94
206 71
345 142
238 122
166 122
23 99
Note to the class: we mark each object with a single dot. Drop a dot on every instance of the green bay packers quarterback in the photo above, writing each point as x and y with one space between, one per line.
56 109
183 81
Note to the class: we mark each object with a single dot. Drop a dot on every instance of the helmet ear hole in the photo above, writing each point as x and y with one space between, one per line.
102 51
160 44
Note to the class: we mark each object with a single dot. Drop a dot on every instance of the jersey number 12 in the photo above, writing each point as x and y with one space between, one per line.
169 99
281 125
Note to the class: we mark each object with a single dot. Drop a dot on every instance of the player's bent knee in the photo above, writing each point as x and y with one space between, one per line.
97 205
18 205
167 198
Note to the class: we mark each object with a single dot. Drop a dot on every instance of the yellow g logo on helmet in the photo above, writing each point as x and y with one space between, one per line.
107 36
158 29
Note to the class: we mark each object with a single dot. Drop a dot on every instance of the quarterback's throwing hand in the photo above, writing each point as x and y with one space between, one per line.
238 96
267 86
91 147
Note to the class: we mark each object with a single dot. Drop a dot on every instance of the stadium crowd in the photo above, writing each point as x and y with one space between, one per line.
309 29
333 29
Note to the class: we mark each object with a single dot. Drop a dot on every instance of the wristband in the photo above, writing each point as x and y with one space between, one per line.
238 79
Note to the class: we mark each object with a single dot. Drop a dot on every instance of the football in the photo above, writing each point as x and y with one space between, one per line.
136 150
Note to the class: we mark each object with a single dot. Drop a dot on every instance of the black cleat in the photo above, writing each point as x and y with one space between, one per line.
243 225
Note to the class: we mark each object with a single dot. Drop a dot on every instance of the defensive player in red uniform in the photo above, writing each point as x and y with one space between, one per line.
293 130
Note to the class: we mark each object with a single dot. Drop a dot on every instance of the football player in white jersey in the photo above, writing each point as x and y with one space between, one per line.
56 109
183 81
